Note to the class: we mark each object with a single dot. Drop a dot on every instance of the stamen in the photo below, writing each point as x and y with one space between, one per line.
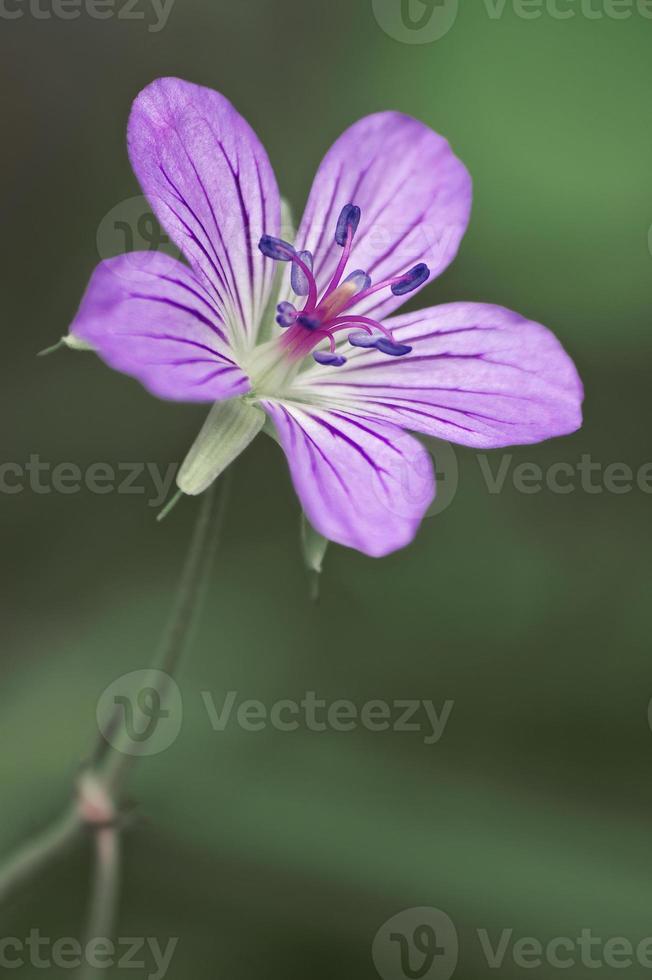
280 251
276 248
310 322
399 284
386 346
364 321
362 338
300 283
346 228
311 302
411 280
325 357
347 222
379 340
319 320
360 279
287 314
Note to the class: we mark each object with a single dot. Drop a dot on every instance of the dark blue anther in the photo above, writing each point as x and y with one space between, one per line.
387 346
360 279
287 314
411 280
349 218
309 322
299 279
360 338
325 357
276 248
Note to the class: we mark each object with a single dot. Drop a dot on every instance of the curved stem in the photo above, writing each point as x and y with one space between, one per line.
176 638
38 853
110 764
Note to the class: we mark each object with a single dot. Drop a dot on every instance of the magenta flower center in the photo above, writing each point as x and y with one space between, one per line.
324 315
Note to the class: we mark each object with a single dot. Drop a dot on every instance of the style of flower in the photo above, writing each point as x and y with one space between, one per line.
320 356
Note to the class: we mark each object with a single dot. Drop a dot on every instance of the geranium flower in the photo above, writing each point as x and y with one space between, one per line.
314 352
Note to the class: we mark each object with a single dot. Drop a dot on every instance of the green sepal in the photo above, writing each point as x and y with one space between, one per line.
74 343
228 430
69 341
313 547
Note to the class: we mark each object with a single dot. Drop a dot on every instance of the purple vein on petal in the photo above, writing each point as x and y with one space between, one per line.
185 309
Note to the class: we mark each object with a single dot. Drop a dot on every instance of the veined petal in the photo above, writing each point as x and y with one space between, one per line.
209 180
147 315
366 485
414 194
478 375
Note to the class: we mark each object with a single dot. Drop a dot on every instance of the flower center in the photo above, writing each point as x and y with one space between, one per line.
322 316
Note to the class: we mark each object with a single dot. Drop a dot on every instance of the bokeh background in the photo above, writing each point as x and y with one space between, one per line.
281 854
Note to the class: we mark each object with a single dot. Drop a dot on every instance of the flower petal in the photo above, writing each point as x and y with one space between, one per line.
211 185
414 194
478 375
147 315
366 485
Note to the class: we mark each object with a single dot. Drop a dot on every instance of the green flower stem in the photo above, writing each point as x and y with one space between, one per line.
35 856
109 764
106 890
176 638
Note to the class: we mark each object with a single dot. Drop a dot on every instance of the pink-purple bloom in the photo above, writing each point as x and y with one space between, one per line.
318 348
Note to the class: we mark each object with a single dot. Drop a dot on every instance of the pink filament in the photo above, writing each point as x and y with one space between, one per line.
311 302
373 289
298 340
364 321
341 265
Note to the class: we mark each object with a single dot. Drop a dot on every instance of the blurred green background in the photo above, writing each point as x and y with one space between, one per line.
277 854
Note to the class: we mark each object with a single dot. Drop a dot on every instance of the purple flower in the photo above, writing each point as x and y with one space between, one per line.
300 338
